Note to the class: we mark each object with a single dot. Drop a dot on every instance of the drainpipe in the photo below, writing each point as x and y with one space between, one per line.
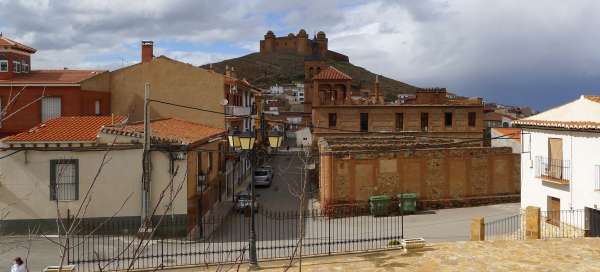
572 165
146 159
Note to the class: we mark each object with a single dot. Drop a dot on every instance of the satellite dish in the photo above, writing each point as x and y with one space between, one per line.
224 102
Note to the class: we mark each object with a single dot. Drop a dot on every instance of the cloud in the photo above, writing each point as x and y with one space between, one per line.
519 52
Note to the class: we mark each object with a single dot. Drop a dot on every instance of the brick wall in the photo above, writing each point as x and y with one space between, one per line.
434 174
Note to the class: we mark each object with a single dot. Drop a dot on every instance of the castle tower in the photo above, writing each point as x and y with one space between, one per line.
321 41
302 46
268 44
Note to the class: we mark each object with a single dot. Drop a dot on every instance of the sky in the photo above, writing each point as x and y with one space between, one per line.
538 53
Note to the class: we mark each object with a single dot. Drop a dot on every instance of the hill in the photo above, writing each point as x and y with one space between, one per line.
267 69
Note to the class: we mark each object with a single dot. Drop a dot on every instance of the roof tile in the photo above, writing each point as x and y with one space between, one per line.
331 73
52 76
66 129
4 41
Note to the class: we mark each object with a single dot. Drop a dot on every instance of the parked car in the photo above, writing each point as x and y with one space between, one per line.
243 202
263 176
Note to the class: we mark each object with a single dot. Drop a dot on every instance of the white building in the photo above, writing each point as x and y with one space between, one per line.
506 137
560 159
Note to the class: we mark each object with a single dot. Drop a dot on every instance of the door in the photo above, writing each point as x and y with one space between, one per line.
555 158
553 211
594 222
424 121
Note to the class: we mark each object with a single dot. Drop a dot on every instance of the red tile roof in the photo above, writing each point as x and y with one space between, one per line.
4 41
52 77
510 133
66 129
595 98
330 73
169 130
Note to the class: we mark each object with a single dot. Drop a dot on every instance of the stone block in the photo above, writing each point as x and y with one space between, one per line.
478 229
532 222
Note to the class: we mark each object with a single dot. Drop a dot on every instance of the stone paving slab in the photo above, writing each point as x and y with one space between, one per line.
532 255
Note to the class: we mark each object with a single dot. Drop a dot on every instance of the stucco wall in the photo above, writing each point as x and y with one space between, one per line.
171 81
581 149
435 174
24 184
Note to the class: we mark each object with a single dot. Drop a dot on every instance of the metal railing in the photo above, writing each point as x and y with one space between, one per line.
553 170
64 191
238 110
224 240
553 224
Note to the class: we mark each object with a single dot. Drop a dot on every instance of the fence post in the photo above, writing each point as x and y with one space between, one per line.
478 229
532 223
329 233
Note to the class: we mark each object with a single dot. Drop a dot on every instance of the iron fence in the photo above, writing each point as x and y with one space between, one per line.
553 224
224 240
509 228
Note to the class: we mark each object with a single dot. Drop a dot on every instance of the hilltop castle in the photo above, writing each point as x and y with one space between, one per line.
300 44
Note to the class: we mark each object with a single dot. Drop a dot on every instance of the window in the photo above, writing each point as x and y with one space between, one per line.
51 108
364 122
399 121
25 67
16 67
424 121
3 65
64 180
472 118
332 120
97 107
210 162
555 158
448 119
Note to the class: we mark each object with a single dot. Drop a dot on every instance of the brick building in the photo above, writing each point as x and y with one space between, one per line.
439 171
29 97
338 109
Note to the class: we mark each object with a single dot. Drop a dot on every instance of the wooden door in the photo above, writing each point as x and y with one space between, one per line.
555 158
553 211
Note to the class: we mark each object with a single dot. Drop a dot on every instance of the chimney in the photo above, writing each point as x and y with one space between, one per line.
147 51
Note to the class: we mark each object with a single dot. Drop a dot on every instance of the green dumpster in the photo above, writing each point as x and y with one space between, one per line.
379 204
407 202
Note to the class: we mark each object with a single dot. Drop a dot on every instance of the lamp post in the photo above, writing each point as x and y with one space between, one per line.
245 142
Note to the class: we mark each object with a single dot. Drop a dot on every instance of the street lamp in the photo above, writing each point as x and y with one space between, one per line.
245 142
275 139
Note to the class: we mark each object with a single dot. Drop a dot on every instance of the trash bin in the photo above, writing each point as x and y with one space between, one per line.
379 204
407 203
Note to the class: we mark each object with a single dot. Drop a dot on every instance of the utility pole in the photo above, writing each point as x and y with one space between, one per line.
146 159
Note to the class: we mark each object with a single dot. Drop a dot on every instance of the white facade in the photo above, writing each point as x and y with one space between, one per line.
574 125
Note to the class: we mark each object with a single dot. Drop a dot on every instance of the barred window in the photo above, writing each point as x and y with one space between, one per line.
64 180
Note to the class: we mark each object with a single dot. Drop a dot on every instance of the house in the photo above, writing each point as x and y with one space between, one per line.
51 169
430 111
560 166
494 119
29 97
506 137
441 172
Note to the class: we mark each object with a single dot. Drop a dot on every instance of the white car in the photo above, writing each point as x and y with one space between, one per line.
263 176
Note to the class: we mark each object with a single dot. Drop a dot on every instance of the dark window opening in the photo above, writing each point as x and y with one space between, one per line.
332 120
399 121
424 121
472 118
364 122
448 119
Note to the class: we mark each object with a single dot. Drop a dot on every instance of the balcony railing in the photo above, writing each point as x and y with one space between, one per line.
237 111
552 170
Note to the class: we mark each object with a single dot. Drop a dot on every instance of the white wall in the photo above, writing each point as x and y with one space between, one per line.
582 148
24 183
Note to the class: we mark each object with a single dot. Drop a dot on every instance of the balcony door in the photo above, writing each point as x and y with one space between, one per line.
553 208
555 158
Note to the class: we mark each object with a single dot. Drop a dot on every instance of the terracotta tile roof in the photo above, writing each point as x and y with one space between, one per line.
330 73
52 77
595 98
4 41
495 116
169 130
512 133
581 114
559 124
66 129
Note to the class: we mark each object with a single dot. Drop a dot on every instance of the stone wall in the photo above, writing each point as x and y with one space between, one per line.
434 174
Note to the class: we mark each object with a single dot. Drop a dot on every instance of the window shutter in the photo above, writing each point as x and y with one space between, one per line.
52 180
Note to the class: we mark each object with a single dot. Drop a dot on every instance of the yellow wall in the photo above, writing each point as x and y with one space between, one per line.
171 81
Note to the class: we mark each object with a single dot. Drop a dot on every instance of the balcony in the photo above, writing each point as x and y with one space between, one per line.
552 170
232 111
